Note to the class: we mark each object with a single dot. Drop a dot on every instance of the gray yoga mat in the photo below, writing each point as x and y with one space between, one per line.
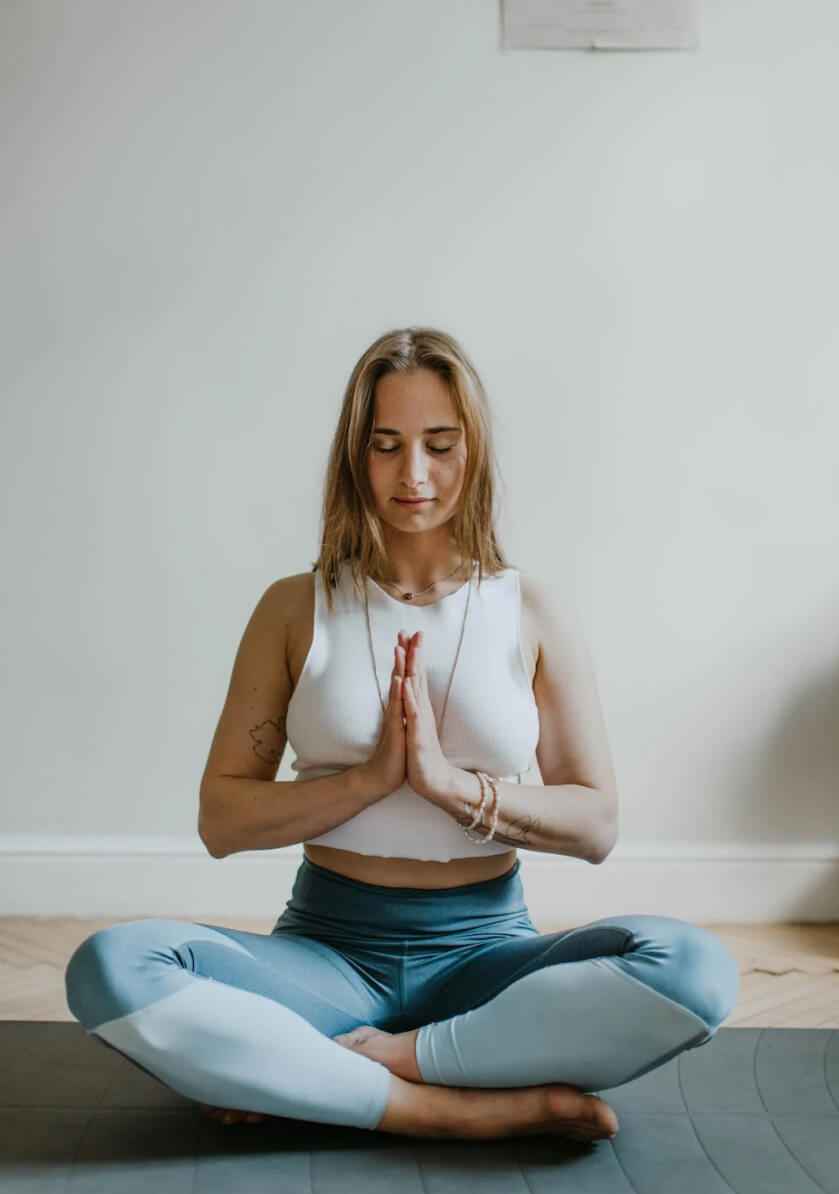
755 1111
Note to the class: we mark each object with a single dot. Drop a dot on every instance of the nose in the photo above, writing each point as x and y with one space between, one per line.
413 471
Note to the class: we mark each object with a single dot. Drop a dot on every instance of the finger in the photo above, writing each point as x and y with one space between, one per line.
415 669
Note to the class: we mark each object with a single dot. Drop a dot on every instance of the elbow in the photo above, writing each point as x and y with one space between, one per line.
606 837
601 855
211 843
210 848
213 825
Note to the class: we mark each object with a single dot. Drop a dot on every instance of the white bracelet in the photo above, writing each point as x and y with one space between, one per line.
486 782
478 816
494 785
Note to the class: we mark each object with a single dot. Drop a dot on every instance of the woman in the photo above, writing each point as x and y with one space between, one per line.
405 987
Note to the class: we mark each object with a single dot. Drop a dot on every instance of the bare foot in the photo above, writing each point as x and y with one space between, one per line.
229 1116
463 1112
396 1051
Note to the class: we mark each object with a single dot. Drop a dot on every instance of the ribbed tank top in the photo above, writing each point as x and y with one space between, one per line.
491 724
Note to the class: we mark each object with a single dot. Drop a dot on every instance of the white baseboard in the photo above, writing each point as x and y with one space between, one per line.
135 877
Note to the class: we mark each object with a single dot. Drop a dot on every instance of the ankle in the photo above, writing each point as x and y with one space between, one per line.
409 1111
410 1068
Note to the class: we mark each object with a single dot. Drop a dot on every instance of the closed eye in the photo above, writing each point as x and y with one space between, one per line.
439 451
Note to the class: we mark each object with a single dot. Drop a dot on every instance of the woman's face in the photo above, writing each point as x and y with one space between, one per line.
418 450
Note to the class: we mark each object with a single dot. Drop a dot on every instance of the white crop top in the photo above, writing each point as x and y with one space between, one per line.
334 718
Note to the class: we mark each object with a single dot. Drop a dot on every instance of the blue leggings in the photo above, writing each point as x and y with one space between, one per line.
245 1020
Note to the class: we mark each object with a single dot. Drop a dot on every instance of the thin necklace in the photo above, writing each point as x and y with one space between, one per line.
456 658
411 596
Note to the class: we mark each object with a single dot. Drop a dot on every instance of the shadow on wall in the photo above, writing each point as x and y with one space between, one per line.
791 795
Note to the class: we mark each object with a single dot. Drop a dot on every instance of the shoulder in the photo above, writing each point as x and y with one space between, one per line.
572 746
289 586
289 597
550 611
544 597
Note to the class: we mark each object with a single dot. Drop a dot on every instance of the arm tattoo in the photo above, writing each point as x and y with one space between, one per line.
519 831
269 740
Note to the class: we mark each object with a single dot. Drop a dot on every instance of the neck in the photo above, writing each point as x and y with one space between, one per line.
414 575
416 561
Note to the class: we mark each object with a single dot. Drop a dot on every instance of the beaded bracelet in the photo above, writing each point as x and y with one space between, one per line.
486 782
479 812
478 817
494 823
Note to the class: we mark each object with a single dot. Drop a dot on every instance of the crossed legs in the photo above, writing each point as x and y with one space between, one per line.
601 1004
247 1021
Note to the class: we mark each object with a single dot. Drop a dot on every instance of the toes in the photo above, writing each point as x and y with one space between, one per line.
222 1115
355 1037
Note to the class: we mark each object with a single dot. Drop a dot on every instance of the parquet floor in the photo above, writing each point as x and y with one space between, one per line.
789 972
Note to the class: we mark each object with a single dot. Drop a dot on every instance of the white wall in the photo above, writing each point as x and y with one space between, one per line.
210 209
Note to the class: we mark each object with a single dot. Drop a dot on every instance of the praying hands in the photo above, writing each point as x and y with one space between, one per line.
427 769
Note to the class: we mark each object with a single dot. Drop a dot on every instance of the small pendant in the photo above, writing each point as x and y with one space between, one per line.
408 596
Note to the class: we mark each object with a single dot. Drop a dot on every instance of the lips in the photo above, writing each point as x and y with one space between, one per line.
412 502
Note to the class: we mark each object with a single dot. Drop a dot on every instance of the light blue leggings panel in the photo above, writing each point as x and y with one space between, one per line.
245 1020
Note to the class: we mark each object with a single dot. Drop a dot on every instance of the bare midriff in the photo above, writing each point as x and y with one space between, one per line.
409 872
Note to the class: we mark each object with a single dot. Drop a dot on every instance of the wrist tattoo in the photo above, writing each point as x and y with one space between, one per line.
520 830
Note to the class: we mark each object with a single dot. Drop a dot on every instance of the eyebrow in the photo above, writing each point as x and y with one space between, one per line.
428 430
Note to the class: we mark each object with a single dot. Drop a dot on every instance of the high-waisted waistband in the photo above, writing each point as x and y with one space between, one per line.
323 898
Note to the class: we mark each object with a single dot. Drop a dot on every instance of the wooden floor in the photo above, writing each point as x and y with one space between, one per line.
789 972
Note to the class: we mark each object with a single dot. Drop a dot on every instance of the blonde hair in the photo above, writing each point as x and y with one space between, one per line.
350 528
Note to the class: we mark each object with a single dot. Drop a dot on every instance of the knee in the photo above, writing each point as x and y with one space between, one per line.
707 974
84 973
94 970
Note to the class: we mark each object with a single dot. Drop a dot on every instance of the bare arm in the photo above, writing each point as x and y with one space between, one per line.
575 811
553 818
257 814
242 805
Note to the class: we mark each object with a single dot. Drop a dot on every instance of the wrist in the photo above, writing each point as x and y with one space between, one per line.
465 792
364 783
